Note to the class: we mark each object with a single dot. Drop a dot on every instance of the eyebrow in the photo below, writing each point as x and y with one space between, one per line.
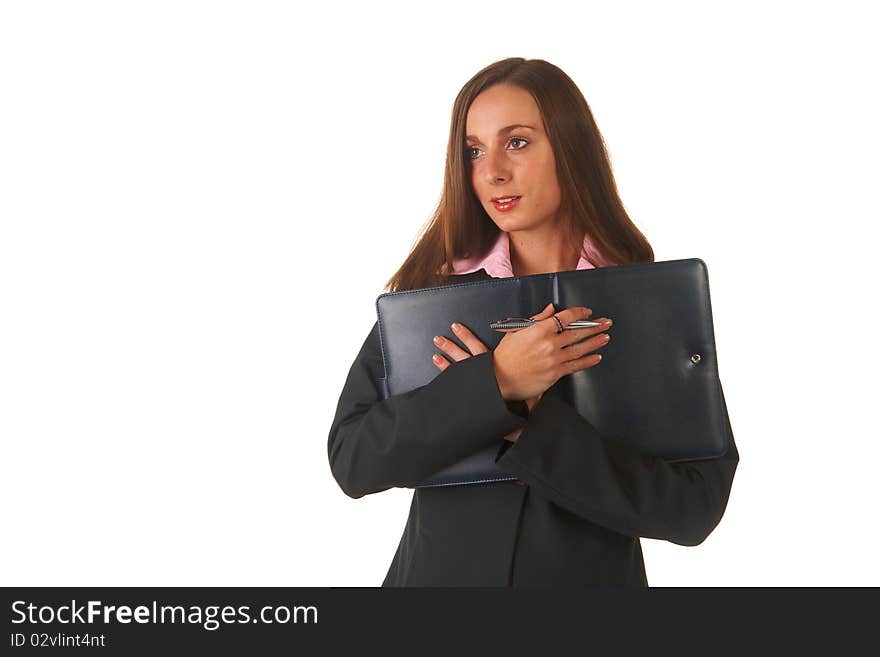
504 130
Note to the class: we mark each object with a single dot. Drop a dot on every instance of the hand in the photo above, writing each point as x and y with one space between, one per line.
463 333
476 346
530 360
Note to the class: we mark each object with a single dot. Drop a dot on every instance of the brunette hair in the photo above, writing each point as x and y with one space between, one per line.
589 199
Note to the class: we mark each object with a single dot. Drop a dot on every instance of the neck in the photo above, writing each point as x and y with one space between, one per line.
541 251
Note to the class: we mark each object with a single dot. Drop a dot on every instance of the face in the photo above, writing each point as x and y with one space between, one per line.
509 161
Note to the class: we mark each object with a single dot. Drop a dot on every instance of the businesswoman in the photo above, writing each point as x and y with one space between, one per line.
528 189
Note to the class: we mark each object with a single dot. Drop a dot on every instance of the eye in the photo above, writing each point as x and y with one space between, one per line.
470 149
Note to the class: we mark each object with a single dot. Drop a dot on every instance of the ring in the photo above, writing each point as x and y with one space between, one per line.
559 323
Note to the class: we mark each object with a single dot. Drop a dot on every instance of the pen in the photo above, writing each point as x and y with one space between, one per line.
521 322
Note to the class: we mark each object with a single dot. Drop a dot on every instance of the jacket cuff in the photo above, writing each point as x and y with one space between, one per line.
486 413
531 449
518 407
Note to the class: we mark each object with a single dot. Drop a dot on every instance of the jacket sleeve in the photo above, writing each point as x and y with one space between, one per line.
375 444
566 460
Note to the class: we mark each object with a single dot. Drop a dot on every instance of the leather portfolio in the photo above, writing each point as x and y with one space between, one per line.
656 389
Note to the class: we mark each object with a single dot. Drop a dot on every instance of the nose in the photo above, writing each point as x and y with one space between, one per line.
497 168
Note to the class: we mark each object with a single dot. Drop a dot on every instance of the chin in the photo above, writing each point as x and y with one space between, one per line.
509 224
504 224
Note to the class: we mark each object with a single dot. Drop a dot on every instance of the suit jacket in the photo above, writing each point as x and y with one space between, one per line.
574 516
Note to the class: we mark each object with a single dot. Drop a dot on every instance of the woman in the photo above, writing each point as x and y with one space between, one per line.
528 190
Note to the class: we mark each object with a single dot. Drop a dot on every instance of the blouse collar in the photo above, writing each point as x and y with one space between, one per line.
497 263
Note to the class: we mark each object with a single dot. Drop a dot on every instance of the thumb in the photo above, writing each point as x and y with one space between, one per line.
544 314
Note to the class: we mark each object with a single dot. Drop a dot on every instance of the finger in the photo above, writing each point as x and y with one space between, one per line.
574 336
470 340
581 349
569 337
566 316
578 364
544 314
449 347
572 314
440 362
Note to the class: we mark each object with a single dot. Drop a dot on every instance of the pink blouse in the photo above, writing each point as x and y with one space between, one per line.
496 261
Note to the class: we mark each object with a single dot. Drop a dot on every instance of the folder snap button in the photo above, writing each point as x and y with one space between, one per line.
695 358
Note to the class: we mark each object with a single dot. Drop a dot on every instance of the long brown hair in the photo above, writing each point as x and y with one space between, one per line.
589 199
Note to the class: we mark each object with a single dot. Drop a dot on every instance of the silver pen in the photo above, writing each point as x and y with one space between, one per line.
523 322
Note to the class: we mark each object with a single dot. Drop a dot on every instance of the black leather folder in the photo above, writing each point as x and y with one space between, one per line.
656 389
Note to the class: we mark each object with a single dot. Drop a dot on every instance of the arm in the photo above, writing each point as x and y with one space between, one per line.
565 459
377 443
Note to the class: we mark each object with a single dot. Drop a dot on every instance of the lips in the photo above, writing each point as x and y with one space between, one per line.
503 203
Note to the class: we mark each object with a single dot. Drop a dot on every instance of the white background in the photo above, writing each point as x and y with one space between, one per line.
201 201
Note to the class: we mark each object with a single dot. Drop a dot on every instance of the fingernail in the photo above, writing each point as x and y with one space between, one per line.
608 322
435 358
437 339
456 326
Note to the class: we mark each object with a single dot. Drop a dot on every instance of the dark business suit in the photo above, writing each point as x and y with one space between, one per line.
573 519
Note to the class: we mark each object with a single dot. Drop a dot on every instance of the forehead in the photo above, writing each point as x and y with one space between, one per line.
500 106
